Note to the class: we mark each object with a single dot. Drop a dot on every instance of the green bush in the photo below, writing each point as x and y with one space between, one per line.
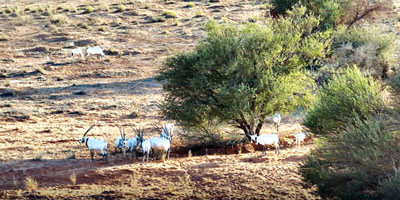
360 162
332 12
367 47
242 73
347 95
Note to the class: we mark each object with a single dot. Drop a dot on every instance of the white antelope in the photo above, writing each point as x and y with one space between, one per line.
94 145
120 142
135 142
162 143
145 147
96 51
277 120
77 52
267 139
299 139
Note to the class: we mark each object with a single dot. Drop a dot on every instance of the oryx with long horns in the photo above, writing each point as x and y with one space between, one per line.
94 145
120 142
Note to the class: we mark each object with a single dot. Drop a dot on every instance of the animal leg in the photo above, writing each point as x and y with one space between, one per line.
147 156
91 155
169 150
144 155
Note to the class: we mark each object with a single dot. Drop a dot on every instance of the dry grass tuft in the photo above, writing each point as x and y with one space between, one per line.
31 184
72 178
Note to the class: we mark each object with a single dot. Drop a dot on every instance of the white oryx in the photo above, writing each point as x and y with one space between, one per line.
77 52
94 145
135 142
266 139
162 143
96 51
299 139
277 120
120 142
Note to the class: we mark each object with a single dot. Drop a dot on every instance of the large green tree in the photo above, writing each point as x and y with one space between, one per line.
242 73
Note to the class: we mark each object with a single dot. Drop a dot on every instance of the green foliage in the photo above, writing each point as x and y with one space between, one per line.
367 47
242 73
169 14
394 82
359 162
348 95
210 134
332 12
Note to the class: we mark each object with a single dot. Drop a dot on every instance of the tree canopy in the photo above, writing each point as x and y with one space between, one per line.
241 73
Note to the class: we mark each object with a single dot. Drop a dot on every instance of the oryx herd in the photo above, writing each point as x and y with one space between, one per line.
137 143
162 143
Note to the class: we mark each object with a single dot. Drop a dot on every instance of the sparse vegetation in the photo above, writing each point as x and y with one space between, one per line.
169 14
72 178
31 184
155 19
58 19
121 8
88 9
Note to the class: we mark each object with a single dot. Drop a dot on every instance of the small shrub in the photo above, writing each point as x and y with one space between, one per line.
398 16
3 37
155 19
104 7
169 14
102 28
89 9
120 8
71 156
394 82
345 96
58 19
48 11
8 10
31 184
147 6
38 157
40 70
199 13
69 8
190 5
368 48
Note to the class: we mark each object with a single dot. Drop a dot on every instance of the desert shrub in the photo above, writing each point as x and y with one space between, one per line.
240 74
121 8
360 162
367 47
88 9
332 12
31 184
394 82
58 19
347 95
169 14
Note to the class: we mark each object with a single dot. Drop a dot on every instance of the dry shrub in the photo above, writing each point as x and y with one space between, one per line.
31 184
72 178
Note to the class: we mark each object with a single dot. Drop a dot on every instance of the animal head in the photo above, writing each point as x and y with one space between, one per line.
84 135
253 138
139 135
